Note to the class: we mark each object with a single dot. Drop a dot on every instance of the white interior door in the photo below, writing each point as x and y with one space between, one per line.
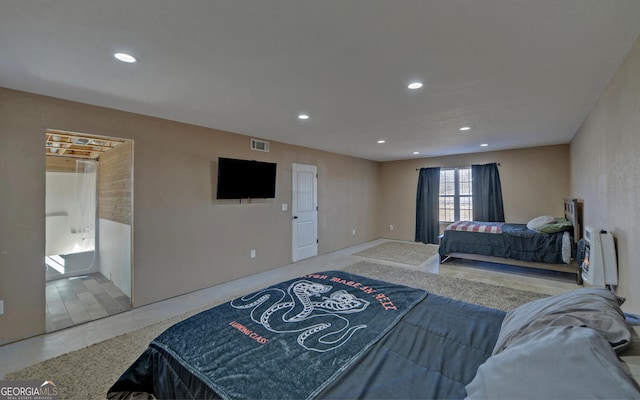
304 211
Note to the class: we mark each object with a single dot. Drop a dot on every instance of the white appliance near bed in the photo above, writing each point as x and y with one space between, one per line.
600 265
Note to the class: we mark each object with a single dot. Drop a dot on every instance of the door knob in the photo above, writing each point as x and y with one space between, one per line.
295 217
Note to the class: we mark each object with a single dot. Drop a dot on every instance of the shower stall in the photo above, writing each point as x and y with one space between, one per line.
71 221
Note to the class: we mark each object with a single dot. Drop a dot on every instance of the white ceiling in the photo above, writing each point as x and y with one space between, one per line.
519 72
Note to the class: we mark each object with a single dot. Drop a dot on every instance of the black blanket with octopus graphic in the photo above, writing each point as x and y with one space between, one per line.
291 340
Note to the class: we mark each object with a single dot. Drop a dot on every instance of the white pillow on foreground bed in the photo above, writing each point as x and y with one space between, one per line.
596 308
538 222
558 362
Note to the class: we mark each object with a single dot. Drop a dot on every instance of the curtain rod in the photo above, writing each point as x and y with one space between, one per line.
466 166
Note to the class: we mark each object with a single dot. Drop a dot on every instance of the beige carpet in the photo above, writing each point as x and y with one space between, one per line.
401 252
88 373
500 297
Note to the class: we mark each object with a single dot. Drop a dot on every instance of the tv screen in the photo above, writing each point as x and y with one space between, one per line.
244 179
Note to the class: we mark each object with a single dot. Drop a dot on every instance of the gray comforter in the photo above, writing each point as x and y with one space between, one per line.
516 242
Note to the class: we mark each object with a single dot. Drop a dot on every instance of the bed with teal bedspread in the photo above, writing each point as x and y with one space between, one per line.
334 335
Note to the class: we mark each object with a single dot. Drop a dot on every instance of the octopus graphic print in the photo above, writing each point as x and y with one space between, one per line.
307 330
309 308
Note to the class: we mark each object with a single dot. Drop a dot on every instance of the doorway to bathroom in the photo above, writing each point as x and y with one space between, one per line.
89 227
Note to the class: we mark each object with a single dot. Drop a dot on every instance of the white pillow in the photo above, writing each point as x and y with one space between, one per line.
558 362
596 308
538 222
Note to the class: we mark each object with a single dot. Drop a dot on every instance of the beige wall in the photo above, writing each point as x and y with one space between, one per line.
606 171
184 239
534 182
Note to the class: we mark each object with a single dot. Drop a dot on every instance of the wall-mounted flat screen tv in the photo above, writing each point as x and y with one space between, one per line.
245 179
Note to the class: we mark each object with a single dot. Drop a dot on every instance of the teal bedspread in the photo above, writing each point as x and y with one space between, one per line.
327 335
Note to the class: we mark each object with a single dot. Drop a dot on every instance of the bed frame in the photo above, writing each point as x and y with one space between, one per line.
573 212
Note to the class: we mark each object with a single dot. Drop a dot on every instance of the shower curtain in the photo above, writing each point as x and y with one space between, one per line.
84 211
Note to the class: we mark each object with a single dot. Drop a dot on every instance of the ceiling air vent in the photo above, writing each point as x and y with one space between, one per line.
260 145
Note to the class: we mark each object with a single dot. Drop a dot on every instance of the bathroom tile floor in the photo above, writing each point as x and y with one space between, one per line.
76 300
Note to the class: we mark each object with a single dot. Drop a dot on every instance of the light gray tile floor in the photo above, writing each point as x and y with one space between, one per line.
73 301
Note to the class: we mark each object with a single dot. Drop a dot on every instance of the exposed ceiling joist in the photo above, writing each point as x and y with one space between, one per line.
77 145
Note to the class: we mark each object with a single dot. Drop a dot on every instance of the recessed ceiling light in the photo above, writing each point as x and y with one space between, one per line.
124 57
415 153
465 128
381 141
415 85
303 116
484 145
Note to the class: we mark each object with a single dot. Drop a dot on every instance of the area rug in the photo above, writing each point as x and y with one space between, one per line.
484 294
88 373
401 252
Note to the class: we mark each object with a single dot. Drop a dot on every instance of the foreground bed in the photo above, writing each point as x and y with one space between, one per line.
338 335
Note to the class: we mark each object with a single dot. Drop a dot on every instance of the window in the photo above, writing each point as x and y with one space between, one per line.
455 194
